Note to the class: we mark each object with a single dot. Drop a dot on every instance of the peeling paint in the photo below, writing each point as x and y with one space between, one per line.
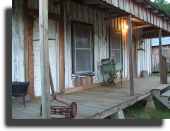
18 66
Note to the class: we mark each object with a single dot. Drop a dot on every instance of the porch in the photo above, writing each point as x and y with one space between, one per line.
94 103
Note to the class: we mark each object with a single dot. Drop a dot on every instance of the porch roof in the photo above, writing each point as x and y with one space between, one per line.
145 14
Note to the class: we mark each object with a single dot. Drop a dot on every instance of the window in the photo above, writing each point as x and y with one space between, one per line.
82 49
116 45
165 53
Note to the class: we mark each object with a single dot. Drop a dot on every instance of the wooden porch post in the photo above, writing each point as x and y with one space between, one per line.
130 54
160 56
44 58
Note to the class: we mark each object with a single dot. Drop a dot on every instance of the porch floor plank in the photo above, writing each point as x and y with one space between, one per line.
95 103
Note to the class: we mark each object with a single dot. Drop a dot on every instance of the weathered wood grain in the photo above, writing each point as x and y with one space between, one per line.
130 55
44 58
160 56
94 103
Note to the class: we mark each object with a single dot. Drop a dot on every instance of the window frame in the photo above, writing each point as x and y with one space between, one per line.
81 73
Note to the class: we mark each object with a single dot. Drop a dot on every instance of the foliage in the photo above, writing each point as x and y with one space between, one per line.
158 74
138 111
164 5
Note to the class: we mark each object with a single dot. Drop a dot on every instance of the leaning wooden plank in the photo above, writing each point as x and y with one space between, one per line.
51 83
61 52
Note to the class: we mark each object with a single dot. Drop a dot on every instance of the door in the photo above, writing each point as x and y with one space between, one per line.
52 35
115 42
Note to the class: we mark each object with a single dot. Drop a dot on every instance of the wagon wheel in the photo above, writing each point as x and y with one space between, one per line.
73 109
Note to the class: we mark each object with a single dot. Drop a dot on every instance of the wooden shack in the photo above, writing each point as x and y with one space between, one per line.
155 57
78 34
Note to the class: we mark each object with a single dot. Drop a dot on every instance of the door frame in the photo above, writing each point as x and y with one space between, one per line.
55 53
29 70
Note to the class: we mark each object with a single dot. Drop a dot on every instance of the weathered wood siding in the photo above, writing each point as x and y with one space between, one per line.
143 57
77 12
18 65
34 4
140 12
155 57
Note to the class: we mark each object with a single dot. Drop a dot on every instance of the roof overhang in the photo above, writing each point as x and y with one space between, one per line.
121 8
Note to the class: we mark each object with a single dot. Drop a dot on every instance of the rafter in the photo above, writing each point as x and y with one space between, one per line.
142 26
59 2
160 14
154 11
147 6
90 2
117 16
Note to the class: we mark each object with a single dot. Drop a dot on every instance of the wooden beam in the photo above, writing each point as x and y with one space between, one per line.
142 26
44 59
35 12
129 24
102 6
91 2
31 56
166 18
164 64
59 2
147 6
112 10
160 14
154 11
139 1
151 31
61 52
118 16
26 41
160 56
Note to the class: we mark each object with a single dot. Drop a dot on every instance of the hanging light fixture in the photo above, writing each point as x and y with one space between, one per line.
125 27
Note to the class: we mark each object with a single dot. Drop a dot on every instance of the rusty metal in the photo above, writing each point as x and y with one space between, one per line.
68 111
111 67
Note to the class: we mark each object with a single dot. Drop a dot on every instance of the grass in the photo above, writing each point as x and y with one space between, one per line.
158 74
138 111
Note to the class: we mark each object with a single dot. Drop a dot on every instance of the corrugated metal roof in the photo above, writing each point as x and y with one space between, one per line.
149 2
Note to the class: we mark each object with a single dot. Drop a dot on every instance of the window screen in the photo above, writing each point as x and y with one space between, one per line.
115 45
82 49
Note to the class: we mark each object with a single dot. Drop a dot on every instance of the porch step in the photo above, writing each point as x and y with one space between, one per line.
163 95
167 93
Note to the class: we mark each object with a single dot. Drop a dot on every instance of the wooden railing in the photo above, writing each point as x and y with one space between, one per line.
164 60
